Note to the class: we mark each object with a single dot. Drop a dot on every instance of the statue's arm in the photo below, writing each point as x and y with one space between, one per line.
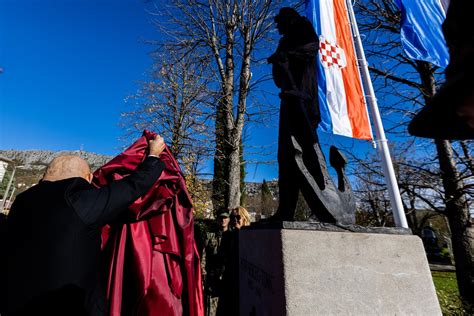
279 61
307 51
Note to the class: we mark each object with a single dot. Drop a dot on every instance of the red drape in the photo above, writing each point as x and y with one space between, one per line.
152 262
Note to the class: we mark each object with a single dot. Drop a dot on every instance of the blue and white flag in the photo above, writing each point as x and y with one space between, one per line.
421 32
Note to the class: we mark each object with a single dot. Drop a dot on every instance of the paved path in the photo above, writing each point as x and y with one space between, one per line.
442 267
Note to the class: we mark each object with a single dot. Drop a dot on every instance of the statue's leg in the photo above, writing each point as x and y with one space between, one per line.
288 188
288 184
316 186
327 202
313 176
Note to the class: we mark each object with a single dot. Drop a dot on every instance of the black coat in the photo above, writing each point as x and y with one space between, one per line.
54 237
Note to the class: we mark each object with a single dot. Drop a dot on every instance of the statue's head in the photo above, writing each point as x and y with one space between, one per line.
285 18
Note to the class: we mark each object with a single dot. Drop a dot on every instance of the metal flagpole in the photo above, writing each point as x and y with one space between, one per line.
387 166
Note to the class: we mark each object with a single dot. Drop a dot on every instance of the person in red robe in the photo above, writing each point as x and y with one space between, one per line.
151 259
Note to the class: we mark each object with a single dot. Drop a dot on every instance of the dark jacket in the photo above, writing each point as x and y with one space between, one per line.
54 237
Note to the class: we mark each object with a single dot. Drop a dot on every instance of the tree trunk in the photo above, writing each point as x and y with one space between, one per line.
467 156
219 186
234 176
243 193
457 212
235 133
224 121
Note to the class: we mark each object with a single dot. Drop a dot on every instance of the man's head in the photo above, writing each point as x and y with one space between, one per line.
65 167
223 220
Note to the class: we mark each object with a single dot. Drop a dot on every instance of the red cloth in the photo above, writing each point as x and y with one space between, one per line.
153 263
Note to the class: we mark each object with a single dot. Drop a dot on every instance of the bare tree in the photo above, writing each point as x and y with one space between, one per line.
406 85
229 33
419 180
197 188
373 207
173 102
268 202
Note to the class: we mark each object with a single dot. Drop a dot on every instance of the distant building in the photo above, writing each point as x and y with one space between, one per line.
3 169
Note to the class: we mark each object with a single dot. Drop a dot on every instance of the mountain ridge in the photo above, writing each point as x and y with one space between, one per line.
39 159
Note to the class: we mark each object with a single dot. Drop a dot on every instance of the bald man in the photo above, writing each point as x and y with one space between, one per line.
54 236
65 167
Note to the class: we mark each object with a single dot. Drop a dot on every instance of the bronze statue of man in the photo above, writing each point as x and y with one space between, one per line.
294 72
301 162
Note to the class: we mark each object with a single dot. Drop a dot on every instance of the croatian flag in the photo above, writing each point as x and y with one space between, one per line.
421 31
341 98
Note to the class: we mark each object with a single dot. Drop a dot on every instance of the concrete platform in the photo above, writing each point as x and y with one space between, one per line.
311 272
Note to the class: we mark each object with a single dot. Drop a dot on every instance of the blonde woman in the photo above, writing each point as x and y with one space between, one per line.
239 217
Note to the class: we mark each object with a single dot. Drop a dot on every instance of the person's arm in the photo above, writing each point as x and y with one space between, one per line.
99 206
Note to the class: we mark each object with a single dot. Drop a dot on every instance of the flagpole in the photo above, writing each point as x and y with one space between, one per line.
387 166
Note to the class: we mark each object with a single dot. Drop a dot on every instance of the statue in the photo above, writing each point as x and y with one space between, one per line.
302 165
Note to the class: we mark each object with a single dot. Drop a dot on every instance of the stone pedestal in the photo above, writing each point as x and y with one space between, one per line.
314 272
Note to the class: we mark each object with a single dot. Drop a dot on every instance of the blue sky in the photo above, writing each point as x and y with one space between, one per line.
69 65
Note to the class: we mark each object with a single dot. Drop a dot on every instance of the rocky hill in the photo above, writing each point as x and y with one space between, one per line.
33 163
38 159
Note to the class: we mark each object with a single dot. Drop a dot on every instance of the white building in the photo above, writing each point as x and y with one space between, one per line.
3 169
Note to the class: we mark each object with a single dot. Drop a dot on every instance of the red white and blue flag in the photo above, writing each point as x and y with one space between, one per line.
341 97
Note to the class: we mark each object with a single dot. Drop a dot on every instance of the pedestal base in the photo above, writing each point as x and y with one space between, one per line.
308 272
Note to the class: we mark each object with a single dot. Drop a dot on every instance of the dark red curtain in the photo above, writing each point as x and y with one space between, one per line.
151 258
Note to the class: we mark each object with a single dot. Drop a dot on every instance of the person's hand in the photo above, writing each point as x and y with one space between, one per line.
157 145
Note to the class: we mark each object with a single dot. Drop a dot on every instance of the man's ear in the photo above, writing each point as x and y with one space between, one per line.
89 178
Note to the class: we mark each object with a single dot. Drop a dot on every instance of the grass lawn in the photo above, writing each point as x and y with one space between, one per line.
448 293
